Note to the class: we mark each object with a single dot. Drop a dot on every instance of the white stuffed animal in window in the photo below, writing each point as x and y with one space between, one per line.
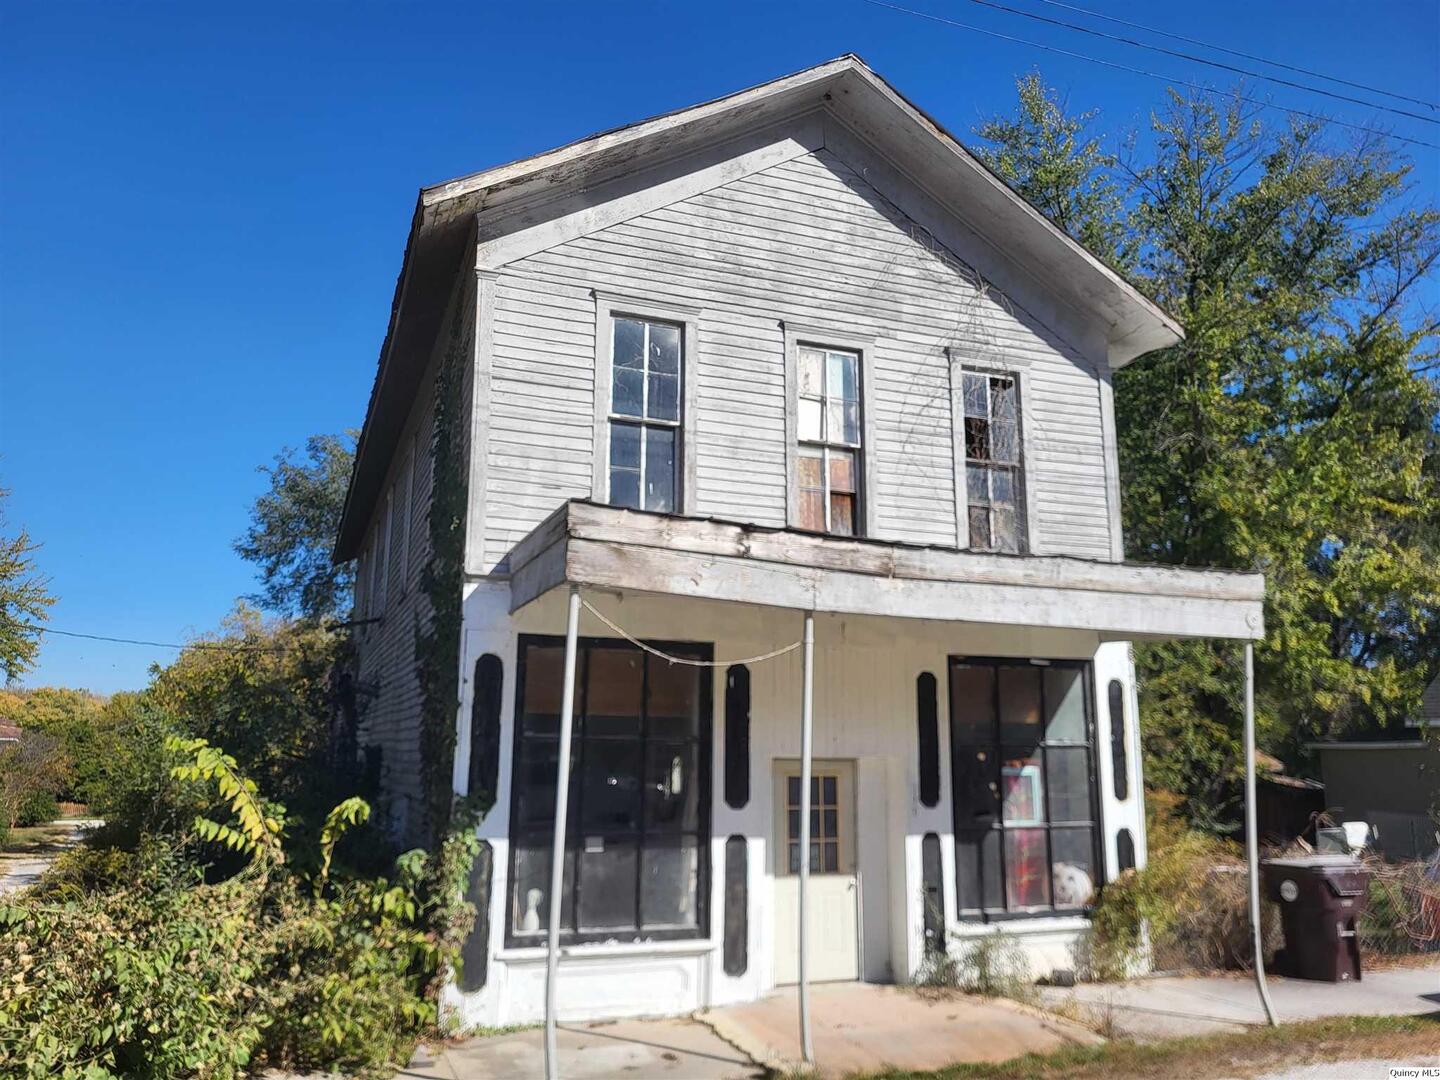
1072 884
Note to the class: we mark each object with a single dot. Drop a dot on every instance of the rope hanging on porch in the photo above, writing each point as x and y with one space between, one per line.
689 661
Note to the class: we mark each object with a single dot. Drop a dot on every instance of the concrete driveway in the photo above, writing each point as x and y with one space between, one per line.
856 1027
1161 1008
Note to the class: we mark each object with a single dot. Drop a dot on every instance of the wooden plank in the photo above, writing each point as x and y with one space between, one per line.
656 570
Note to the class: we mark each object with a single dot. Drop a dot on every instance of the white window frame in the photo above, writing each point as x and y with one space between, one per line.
1019 371
609 307
796 336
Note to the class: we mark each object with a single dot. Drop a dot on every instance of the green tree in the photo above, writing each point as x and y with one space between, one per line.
292 530
74 718
25 600
1049 157
1294 430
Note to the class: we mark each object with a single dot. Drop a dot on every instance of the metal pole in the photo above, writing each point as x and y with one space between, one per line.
557 847
807 707
1252 839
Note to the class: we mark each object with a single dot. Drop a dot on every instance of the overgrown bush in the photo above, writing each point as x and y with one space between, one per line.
992 964
133 964
1191 900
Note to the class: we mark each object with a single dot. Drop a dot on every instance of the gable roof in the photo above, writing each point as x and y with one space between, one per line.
514 195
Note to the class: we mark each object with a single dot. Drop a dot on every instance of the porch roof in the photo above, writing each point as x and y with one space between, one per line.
585 543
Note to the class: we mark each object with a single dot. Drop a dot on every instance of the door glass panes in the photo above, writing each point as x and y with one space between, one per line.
646 374
824 823
828 427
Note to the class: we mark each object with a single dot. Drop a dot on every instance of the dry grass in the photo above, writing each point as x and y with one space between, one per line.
1255 1052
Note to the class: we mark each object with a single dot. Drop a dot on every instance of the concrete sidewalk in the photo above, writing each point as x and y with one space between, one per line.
856 1027
1161 1008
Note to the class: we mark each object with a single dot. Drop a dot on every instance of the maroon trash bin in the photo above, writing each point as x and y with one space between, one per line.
1320 899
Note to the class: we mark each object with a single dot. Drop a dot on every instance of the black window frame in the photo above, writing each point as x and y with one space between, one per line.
574 834
997 744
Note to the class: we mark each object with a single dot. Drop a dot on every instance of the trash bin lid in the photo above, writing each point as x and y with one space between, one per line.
1319 861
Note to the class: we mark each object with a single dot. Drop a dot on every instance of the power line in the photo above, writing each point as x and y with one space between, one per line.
1239 53
1141 71
208 645
1191 57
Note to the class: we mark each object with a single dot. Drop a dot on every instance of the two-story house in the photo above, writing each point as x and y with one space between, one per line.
792 359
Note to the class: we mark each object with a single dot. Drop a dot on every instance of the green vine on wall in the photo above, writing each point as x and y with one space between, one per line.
437 646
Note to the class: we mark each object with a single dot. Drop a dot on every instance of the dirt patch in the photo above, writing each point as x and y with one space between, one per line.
1252 1053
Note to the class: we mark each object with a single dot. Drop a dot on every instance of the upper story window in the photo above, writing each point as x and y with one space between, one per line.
994 479
645 428
827 466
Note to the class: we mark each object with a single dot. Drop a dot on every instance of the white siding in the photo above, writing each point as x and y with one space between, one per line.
811 242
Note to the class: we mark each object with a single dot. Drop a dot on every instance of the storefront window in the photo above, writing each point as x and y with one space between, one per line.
635 855
1023 776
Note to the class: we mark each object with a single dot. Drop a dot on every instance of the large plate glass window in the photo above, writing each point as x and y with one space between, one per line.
645 398
1022 755
828 424
636 858
994 479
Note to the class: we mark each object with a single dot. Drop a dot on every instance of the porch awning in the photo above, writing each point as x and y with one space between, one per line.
608 547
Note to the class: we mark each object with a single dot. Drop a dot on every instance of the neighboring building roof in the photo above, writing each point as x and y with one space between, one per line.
446 216
9 732
1429 706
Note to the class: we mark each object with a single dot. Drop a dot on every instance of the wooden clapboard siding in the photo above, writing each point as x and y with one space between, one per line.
390 711
811 243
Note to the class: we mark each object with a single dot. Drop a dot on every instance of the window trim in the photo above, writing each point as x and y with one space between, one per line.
608 307
972 917
704 769
1019 370
796 335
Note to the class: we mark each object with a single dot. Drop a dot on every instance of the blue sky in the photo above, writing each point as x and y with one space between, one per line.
203 209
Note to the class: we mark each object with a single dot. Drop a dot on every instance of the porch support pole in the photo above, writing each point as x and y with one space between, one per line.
557 847
1252 839
807 708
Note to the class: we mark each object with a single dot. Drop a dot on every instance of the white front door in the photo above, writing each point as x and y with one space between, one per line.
833 898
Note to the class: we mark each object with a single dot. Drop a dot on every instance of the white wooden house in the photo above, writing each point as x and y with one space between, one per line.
789 358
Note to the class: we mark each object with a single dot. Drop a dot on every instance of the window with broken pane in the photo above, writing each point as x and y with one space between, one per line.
993 474
828 423
636 839
645 422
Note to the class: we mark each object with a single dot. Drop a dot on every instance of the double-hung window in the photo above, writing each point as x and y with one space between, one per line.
827 481
636 863
1023 772
994 478
645 409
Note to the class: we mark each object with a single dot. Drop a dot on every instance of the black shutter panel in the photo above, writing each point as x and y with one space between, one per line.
475 953
927 714
485 730
1119 761
737 916
737 736
930 880
1125 850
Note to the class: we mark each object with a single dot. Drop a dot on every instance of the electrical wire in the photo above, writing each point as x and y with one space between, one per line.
1192 58
213 646
1239 53
1141 71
